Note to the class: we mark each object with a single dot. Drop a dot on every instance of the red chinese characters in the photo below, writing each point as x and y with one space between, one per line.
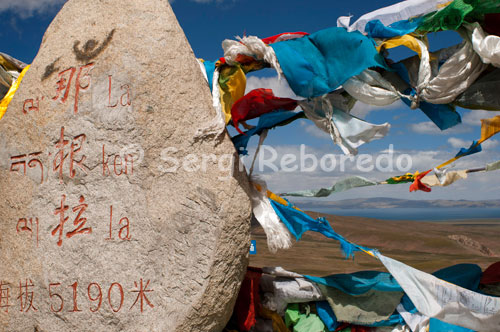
79 221
61 155
4 296
65 83
26 296
58 297
141 294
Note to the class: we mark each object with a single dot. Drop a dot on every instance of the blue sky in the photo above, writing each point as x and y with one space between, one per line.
207 23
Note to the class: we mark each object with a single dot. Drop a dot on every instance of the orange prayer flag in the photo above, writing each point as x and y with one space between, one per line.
489 127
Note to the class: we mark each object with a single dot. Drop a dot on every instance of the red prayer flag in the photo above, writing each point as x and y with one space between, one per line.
284 36
418 185
491 275
258 102
248 300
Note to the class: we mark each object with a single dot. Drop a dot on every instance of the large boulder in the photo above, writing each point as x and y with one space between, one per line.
113 215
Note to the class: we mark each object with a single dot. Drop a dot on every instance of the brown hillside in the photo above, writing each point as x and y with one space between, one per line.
427 246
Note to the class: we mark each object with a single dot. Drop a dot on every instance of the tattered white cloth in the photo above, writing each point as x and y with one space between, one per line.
251 46
278 236
371 88
437 298
347 131
280 291
397 12
487 46
454 76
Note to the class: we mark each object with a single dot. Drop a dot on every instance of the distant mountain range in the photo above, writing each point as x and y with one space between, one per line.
391 203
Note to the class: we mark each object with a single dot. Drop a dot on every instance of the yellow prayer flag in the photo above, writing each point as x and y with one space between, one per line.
406 40
10 94
232 82
489 127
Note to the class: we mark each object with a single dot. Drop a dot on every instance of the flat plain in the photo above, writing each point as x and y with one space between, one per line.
427 246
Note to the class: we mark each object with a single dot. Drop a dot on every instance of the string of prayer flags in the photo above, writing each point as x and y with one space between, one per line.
408 177
342 185
489 127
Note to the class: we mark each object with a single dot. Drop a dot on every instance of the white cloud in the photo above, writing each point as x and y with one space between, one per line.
426 127
473 117
361 110
313 130
27 8
490 144
470 119
429 128
423 160
458 143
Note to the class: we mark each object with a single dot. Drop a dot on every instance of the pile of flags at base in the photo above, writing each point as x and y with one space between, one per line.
459 298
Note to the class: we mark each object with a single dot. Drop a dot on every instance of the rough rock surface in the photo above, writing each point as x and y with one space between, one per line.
98 231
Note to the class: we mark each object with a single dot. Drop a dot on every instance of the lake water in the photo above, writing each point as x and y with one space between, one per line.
423 214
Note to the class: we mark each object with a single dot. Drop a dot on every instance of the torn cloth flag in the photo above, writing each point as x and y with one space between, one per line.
474 148
376 29
346 130
316 64
284 36
232 83
342 185
442 300
258 102
417 184
456 13
298 223
360 282
266 121
403 10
